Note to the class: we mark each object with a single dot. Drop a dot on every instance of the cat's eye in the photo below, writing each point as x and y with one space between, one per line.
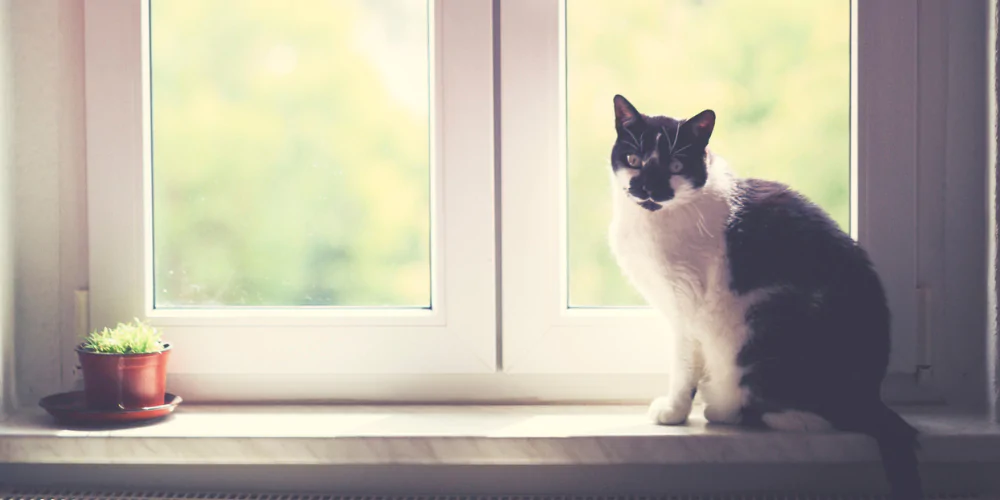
676 167
633 160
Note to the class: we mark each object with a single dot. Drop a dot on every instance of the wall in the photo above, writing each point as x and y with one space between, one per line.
993 310
6 238
50 251
960 343
42 152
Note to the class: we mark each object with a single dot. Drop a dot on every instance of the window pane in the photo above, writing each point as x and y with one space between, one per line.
777 73
290 152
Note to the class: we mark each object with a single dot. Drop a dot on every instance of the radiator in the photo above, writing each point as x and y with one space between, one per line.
91 494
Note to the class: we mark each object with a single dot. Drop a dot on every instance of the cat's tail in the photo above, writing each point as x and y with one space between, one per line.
897 445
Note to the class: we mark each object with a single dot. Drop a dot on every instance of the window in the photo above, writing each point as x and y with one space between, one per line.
258 124
418 189
777 74
291 160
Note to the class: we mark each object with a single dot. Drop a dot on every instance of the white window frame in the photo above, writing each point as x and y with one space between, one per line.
541 334
456 335
527 345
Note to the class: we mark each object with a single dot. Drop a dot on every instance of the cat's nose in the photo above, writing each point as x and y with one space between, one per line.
662 196
638 192
657 188
637 189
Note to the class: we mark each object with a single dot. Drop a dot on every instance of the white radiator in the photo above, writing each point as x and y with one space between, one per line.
91 494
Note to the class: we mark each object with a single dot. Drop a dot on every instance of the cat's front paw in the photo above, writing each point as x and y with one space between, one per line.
669 411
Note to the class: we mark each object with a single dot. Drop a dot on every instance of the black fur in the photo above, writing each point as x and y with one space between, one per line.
820 341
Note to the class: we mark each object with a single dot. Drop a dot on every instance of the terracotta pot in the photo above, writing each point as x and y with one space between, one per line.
124 381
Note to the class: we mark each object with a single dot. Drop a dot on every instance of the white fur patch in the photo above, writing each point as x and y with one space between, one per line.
684 191
669 411
655 155
676 258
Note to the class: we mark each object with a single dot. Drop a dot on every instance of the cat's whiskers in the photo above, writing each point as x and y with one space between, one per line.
701 222
635 142
670 144
701 229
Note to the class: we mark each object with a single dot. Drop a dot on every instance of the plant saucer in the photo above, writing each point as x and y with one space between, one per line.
71 408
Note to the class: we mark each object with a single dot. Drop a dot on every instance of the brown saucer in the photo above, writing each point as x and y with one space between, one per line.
70 408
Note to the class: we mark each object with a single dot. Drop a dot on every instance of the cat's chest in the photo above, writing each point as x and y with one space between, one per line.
674 266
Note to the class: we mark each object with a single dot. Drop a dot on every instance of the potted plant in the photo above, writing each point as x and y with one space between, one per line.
124 367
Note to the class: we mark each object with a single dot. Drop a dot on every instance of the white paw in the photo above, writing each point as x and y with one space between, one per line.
722 414
669 411
796 421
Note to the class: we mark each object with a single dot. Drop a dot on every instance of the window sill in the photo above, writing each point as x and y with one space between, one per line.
463 435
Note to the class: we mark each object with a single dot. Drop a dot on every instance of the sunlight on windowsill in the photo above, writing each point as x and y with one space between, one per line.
485 435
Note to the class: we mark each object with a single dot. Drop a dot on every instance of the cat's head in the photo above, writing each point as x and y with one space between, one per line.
658 160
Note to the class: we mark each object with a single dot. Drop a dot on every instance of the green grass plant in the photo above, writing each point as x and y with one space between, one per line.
135 337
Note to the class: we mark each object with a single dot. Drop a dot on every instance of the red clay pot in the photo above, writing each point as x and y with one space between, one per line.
124 381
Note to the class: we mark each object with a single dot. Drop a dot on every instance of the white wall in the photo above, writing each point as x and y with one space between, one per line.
993 312
48 145
6 166
960 365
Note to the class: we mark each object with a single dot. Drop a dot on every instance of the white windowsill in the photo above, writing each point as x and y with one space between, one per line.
463 435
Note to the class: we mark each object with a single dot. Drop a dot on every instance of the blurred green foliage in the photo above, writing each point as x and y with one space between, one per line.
776 72
291 151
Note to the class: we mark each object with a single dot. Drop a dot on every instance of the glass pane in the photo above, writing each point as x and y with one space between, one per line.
777 73
291 152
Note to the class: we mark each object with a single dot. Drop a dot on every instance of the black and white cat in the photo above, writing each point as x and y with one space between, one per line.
778 316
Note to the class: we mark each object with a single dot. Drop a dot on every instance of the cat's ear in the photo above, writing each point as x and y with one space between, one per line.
625 112
701 125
